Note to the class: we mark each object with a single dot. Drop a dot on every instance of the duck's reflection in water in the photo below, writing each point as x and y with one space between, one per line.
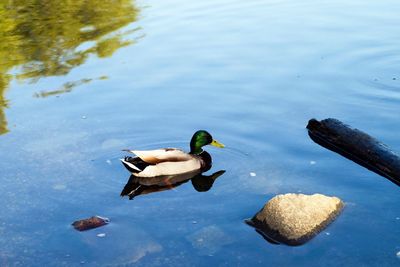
137 186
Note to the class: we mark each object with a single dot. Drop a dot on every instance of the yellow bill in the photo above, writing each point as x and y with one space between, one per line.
217 144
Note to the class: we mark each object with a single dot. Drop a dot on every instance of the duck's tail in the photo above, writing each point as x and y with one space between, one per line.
130 163
134 164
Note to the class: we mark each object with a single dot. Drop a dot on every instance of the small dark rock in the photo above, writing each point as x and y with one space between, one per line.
90 223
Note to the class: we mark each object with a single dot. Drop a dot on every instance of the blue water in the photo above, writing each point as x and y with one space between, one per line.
251 73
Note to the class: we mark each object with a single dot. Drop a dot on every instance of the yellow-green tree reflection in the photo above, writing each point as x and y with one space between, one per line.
41 37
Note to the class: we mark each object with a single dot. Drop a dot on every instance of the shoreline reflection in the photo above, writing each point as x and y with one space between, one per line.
43 38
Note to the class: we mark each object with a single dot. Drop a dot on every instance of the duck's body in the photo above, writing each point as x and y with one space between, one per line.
172 161
164 162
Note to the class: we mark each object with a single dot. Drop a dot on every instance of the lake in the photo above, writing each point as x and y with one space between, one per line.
82 80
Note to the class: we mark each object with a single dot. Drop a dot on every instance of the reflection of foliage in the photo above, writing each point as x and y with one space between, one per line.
43 37
3 83
67 87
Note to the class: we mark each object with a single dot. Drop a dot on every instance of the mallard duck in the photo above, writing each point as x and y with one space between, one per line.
172 161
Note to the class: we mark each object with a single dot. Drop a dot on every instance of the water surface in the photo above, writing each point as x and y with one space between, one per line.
81 80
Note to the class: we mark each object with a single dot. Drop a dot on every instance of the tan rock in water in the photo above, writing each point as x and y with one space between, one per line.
294 219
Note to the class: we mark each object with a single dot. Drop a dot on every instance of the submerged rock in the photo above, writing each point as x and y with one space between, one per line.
294 219
209 240
90 223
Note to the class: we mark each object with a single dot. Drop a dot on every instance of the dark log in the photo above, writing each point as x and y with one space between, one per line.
356 146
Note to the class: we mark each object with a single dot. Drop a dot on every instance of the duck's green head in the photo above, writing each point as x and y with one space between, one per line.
202 138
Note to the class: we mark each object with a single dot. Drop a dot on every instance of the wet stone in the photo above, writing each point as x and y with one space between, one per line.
90 223
294 219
